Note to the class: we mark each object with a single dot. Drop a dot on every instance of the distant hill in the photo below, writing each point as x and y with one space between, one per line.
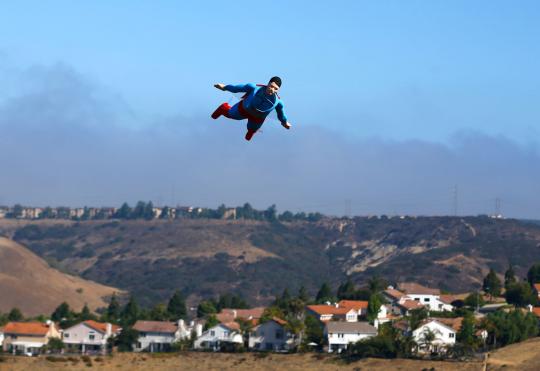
30 284
259 259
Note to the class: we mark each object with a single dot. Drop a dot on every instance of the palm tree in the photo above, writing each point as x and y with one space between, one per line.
428 336
295 327
245 329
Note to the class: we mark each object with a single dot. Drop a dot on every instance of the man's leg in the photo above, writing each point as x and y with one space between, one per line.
228 111
252 127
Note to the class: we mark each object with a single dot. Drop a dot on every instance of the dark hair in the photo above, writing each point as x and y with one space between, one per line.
275 79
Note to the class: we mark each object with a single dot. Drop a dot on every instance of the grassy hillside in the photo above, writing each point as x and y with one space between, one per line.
260 259
30 284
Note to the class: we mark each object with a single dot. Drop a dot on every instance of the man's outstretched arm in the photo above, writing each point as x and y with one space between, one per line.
282 117
245 88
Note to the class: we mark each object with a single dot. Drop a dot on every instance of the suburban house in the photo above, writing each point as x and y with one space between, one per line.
229 315
536 287
443 336
409 291
341 334
219 335
158 336
271 335
28 337
325 313
89 336
360 306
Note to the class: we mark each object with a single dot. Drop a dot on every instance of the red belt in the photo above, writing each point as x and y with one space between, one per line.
244 112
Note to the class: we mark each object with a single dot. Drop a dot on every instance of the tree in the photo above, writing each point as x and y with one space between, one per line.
492 284
177 306
85 313
519 294
159 312
509 276
148 212
374 306
62 312
130 314
533 275
205 308
376 284
270 213
15 315
313 330
245 328
417 316
428 336
474 300
126 339
466 332
113 310
324 294
346 291
124 212
303 294
211 321
296 328
55 344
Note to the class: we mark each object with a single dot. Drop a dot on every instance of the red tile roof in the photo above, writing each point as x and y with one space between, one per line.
537 287
536 311
279 321
328 309
415 288
229 315
155 326
410 304
353 304
394 293
232 325
101 327
26 328
454 323
448 299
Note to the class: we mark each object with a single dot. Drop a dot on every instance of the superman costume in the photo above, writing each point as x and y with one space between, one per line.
255 106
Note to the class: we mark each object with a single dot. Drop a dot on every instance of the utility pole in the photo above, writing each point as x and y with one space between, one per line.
455 200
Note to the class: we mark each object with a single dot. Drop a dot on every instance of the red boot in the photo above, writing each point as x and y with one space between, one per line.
221 110
249 134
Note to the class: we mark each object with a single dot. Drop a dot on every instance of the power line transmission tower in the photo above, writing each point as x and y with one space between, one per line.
348 208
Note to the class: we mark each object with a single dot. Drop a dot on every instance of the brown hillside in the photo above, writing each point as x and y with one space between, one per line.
30 284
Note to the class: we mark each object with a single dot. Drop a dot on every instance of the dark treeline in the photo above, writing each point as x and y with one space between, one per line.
147 210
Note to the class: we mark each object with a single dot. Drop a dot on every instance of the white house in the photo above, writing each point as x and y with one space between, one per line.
326 313
430 298
157 336
215 337
89 336
444 336
341 334
271 335
1 337
28 337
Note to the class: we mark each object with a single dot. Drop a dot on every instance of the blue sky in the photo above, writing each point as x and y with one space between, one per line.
396 82
399 69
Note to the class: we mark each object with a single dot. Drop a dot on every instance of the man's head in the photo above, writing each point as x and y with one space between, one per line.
273 85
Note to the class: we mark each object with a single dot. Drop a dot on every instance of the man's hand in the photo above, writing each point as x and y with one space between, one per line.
286 125
220 86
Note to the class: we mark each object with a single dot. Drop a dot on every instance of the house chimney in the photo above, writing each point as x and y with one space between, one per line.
180 325
108 329
198 329
48 322
234 313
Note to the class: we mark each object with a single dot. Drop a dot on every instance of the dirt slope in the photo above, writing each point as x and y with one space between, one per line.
30 284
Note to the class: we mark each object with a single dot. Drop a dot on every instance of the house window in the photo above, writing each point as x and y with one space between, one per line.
212 333
451 335
91 336
66 335
426 299
341 335
279 334
416 299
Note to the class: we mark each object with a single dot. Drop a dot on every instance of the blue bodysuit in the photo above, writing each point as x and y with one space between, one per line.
255 105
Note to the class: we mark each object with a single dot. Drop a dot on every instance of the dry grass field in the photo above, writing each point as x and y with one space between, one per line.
522 357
